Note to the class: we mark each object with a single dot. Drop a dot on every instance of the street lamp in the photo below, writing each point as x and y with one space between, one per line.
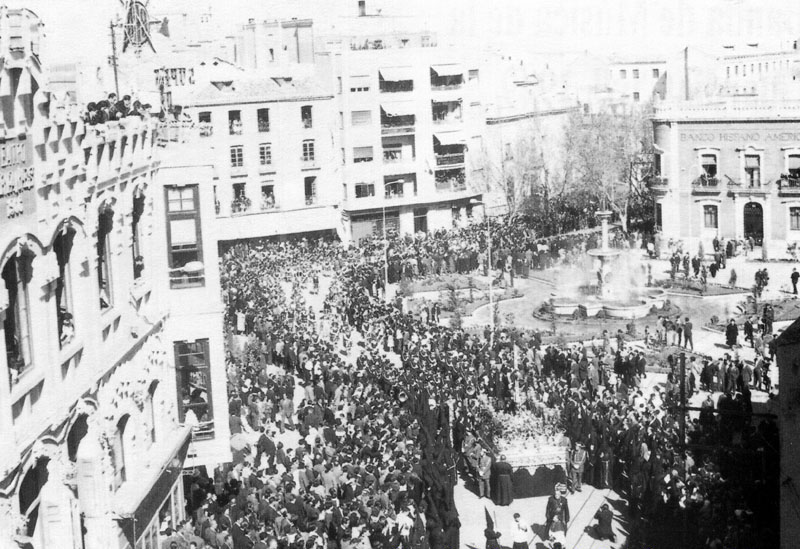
476 202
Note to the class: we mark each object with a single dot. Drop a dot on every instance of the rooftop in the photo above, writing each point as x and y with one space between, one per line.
258 90
731 109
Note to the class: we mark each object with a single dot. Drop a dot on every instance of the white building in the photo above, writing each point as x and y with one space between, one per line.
270 142
405 110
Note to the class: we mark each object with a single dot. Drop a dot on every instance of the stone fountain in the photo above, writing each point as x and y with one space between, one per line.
614 287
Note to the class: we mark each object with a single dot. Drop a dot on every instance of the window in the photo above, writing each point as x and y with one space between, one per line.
305 116
362 154
235 122
710 217
118 452
308 150
420 220
16 325
794 219
709 164
728 72
237 156
392 153
310 185
359 84
659 216
62 246
268 197
339 84
204 123
636 96
184 246
364 190
793 166
136 234
263 120
149 416
341 120
636 74
473 75
265 154
752 170
655 73
193 373
105 222
657 164
623 74
361 118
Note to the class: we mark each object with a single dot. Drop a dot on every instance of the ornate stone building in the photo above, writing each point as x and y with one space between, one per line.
92 446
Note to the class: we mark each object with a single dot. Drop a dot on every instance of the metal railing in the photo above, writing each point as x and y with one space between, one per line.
449 159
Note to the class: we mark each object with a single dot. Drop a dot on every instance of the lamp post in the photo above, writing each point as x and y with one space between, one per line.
476 202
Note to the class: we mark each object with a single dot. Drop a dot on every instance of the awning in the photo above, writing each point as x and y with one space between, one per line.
449 138
448 70
397 74
405 108
139 500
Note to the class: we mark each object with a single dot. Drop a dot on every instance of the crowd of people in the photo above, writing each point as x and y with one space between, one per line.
353 422
112 108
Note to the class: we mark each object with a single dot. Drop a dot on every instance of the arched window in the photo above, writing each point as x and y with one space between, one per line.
16 275
150 413
136 229
105 222
30 490
118 452
62 246
75 436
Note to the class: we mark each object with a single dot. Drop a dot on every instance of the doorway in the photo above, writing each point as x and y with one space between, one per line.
754 222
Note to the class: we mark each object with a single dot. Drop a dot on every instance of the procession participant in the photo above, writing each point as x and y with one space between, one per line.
521 534
505 489
556 514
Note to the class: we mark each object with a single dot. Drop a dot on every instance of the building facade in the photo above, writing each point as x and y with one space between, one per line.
271 144
94 438
405 109
729 169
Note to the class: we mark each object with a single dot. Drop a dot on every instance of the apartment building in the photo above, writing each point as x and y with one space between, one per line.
93 446
271 143
637 80
405 108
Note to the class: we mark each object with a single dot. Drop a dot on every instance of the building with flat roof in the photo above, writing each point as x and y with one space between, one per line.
406 108
271 143
728 169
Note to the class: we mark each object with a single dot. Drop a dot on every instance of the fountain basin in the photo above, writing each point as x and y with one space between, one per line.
627 311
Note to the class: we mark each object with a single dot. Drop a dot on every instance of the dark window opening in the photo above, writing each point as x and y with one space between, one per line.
193 372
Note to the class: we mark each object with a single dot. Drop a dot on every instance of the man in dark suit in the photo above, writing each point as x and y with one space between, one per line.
266 446
557 512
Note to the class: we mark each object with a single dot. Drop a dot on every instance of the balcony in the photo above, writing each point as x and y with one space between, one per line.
450 159
737 188
308 123
311 199
452 180
191 275
241 205
402 86
448 83
206 129
441 119
706 185
397 125
789 184
235 127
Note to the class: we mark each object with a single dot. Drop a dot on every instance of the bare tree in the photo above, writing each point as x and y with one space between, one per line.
609 156
513 170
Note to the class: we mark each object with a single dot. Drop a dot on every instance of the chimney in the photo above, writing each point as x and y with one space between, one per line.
362 8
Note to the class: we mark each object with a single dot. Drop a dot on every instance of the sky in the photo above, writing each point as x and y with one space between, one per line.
78 29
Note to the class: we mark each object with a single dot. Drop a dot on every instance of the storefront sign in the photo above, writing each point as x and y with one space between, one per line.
174 77
16 178
740 137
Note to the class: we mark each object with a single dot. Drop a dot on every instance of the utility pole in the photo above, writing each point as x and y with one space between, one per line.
114 57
